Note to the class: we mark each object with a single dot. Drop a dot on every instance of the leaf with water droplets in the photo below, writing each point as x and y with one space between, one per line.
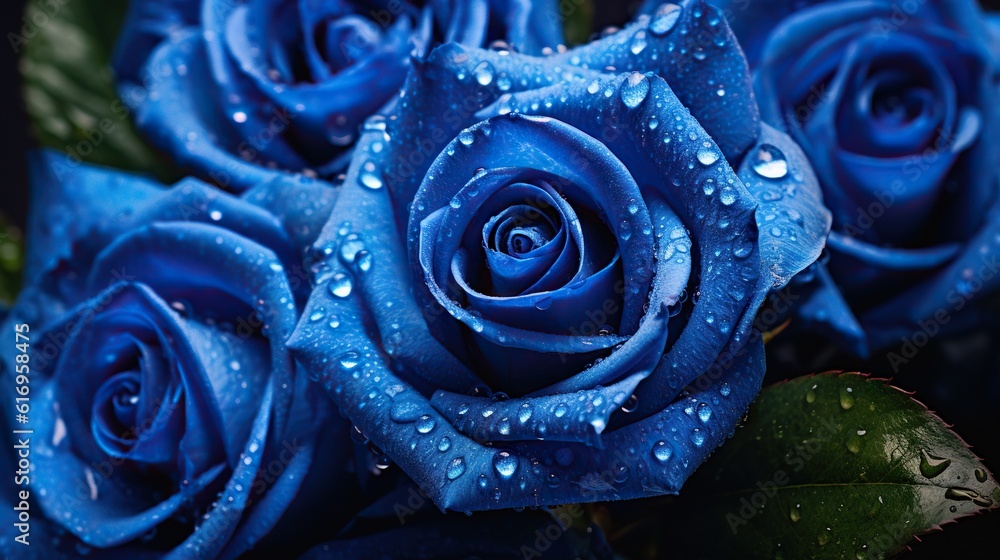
828 466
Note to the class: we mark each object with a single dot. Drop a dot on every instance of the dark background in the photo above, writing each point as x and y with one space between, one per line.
957 378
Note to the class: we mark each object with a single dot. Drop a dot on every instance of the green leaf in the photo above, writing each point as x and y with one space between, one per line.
579 18
826 466
69 89
11 261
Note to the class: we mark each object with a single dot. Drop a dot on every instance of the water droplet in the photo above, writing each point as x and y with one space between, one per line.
620 473
524 414
811 395
504 427
665 19
728 196
631 404
425 424
374 123
444 444
770 162
340 285
357 436
981 475
363 261
662 451
634 90
704 412
594 86
966 494
633 207
505 464
240 117
853 443
349 359
725 390
638 42
697 437
370 180
543 303
794 514
846 398
456 468
483 73
708 187
350 247
743 248
707 155
466 138
932 466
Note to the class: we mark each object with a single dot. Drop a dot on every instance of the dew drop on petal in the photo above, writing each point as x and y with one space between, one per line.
770 162
349 359
340 285
425 424
727 196
697 437
662 451
483 73
456 468
505 464
665 19
707 155
370 180
634 90
704 412
638 42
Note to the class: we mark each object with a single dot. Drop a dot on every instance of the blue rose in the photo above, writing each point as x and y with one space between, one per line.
895 106
539 279
240 91
168 417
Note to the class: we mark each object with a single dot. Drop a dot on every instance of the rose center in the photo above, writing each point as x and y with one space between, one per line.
344 41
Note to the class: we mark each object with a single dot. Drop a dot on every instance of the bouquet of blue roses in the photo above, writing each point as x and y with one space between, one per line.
501 279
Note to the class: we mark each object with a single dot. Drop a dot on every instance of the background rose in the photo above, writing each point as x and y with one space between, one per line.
168 417
894 103
585 264
237 91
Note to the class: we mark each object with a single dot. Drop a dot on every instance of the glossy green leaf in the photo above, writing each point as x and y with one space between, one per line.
65 48
826 466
